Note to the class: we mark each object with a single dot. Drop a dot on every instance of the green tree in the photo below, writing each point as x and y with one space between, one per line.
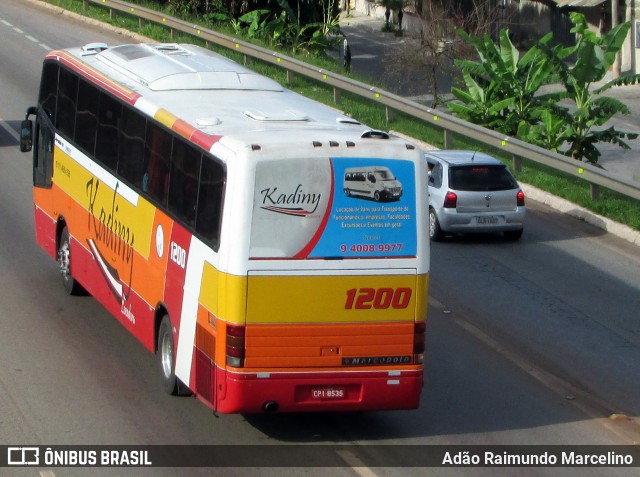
502 90
594 57
292 25
502 86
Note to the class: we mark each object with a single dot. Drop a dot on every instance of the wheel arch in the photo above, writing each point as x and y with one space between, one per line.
60 225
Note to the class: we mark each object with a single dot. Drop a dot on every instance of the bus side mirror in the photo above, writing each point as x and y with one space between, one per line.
26 130
26 135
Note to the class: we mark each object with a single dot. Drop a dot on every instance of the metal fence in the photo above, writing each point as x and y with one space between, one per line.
450 125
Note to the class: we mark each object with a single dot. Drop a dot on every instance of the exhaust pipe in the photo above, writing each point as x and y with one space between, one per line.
270 406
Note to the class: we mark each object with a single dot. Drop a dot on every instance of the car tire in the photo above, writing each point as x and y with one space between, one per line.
71 285
435 232
513 234
376 196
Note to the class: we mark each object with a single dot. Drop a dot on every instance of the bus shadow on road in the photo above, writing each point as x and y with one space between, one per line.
6 138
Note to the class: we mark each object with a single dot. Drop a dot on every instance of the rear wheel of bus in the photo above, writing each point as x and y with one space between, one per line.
166 359
70 284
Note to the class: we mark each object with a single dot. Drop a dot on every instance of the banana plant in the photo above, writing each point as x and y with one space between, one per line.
594 57
514 80
503 90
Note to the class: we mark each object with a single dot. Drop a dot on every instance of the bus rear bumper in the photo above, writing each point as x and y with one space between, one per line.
321 392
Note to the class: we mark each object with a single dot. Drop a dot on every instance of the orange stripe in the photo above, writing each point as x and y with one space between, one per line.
303 346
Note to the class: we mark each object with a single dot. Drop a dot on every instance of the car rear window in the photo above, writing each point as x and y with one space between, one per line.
481 178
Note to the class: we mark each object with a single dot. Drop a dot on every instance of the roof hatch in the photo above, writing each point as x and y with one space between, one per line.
170 67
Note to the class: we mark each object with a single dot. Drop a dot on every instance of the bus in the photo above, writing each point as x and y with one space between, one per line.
200 204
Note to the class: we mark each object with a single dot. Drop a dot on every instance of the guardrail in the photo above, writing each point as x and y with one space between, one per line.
450 125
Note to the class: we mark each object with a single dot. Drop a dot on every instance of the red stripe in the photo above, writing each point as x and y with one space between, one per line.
94 76
304 253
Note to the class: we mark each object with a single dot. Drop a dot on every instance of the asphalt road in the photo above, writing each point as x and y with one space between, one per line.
535 342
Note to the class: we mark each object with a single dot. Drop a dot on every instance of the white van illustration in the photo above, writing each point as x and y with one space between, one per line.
376 182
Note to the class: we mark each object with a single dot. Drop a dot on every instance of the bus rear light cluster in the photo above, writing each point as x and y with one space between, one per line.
235 345
419 329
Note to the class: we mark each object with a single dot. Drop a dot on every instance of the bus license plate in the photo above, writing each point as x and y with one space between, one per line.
329 392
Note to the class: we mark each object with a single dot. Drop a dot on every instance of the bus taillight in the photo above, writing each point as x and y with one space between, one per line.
235 346
419 329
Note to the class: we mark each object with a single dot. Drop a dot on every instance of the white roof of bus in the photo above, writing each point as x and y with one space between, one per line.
214 94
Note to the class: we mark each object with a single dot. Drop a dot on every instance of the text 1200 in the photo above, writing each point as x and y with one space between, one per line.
378 298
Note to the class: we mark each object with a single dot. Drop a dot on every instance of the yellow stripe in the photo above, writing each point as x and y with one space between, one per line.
307 299
335 299
131 220
223 294
165 117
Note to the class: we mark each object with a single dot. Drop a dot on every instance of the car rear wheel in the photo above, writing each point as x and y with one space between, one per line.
435 232
513 234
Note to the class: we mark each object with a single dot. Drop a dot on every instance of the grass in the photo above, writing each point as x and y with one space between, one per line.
612 205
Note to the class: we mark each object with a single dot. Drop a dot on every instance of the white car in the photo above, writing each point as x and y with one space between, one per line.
472 192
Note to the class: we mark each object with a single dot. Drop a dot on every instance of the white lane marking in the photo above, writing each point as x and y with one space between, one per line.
356 464
29 37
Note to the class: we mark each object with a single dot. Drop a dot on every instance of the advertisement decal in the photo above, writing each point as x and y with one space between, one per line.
334 208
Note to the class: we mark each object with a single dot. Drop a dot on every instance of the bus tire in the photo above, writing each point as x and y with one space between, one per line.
376 196
166 359
347 192
71 285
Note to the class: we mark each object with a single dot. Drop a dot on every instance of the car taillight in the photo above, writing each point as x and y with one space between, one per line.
235 346
450 200
418 341
520 198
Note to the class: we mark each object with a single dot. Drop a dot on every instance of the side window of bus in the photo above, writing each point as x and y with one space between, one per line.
66 108
210 197
49 89
155 180
87 117
109 115
131 143
43 159
183 185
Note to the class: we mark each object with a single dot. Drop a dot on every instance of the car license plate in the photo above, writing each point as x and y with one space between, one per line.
487 220
329 392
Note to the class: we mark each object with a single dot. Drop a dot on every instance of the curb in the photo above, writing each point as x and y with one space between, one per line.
562 205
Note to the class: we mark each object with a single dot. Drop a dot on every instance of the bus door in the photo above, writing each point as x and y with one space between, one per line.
42 180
